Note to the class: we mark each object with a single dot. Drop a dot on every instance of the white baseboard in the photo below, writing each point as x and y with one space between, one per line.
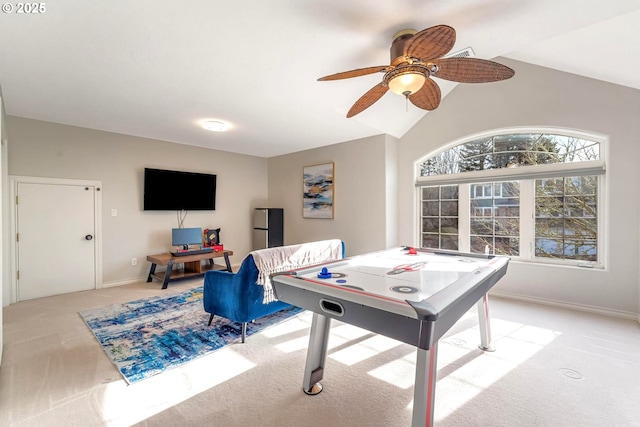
124 282
571 306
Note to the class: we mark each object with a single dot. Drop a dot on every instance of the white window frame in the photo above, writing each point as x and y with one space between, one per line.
526 176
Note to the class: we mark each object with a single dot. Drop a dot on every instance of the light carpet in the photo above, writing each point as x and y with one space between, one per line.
552 367
151 335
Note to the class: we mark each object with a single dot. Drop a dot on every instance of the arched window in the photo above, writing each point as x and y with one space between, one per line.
530 194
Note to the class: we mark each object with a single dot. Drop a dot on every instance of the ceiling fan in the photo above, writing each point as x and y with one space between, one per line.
417 56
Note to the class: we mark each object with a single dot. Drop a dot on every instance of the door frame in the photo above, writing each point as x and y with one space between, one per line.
14 180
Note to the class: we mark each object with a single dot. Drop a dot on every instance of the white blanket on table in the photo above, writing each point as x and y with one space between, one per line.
285 258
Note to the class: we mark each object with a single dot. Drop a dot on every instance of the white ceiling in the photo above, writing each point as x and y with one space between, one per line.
157 68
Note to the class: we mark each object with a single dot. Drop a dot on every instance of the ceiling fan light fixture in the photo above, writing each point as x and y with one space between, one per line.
406 84
406 80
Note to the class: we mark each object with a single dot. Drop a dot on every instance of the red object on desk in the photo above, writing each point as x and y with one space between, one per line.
218 248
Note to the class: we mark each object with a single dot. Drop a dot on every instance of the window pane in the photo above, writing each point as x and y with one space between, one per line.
430 240
481 211
431 208
449 208
449 225
549 207
581 185
430 225
566 225
478 205
507 226
510 189
512 150
479 244
549 187
495 211
549 227
440 217
430 193
449 242
507 207
477 192
584 206
481 226
449 192
497 190
581 249
507 246
548 248
582 227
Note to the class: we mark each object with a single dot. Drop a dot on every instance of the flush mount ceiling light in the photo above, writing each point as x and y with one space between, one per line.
215 126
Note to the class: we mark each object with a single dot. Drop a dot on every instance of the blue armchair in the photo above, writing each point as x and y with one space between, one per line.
237 296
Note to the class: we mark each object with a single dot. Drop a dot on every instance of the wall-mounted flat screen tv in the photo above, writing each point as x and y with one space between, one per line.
168 190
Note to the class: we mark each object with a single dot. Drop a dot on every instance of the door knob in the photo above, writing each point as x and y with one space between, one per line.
88 237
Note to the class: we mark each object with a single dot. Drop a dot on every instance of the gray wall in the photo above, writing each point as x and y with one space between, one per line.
361 190
44 149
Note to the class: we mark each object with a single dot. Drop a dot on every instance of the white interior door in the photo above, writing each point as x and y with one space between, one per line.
56 247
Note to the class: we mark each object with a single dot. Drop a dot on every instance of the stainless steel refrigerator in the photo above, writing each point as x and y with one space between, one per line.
268 228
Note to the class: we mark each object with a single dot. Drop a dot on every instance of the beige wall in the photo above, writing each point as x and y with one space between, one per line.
57 151
361 192
539 96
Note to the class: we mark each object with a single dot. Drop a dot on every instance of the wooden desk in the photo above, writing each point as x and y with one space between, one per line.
193 266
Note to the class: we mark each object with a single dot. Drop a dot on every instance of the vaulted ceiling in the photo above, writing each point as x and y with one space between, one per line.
158 68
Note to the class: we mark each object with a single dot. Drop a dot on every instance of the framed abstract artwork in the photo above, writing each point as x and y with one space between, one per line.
318 191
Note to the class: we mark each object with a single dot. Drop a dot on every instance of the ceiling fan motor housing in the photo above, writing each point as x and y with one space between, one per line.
397 46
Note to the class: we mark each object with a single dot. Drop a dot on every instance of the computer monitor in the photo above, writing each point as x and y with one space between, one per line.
186 236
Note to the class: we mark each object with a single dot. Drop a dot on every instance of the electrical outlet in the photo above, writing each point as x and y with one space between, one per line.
134 261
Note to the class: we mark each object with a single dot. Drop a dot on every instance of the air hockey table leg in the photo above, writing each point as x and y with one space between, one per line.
316 354
424 390
485 327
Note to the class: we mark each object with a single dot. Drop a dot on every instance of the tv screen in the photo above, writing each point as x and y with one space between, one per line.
167 190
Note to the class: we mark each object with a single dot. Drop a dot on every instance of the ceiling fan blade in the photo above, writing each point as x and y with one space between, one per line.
368 99
354 73
428 97
431 43
471 70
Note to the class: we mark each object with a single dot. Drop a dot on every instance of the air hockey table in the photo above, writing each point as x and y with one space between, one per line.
408 294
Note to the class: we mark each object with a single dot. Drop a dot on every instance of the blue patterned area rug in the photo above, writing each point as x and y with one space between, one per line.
148 336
